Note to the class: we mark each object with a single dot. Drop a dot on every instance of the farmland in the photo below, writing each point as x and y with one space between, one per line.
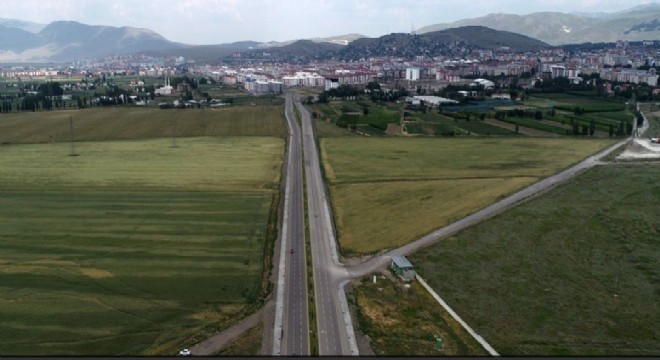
539 115
573 272
397 190
132 247
124 123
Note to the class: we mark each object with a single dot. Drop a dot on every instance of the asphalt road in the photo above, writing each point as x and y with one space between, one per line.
334 334
294 326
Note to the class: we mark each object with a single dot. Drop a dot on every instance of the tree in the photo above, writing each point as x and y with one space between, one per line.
538 115
592 127
373 86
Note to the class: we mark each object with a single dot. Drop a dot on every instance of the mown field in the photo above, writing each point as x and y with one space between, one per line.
132 247
388 192
405 322
573 272
124 123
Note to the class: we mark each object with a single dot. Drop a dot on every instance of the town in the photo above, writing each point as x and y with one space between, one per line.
618 66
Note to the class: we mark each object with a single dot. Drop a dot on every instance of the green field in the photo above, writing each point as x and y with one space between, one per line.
126 123
574 272
132 247
388 192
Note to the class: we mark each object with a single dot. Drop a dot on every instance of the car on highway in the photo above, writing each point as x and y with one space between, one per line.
291 252
185 352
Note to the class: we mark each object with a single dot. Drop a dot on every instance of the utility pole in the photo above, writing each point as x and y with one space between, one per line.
73 145
174 132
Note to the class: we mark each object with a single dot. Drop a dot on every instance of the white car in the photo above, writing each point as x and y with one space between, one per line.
185 352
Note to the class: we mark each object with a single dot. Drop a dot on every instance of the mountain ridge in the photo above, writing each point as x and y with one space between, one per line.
557 28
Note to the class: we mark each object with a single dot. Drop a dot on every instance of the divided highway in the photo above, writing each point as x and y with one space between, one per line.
291 336
335 330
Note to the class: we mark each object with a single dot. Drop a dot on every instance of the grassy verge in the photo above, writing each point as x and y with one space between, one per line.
570 273
405 321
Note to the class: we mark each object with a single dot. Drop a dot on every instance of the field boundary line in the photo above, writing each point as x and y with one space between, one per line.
453 314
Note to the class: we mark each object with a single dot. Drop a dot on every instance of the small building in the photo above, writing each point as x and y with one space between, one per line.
403 268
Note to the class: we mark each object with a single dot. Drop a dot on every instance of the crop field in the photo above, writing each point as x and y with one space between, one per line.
123 123
397 190
132 247
404 322
353 112
574 272
570 102
433 123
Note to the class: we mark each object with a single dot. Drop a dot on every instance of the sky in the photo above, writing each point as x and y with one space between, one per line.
223 21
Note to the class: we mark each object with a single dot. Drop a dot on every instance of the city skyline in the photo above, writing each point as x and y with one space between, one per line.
204 22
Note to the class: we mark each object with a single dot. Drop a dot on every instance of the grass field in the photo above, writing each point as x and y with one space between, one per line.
397 190
132 247
573 272
122 123
404 322
205 163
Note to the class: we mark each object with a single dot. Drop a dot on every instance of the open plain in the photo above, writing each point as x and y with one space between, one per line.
387 192
133 247
573 272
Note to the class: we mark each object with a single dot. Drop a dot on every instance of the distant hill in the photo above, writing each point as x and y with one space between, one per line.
23 25
445 42
61 41
206 54
339 40
555 28
69 40
299 51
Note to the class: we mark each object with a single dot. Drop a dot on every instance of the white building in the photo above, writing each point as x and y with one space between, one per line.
165 90
487 84
412 74
435 100
304 79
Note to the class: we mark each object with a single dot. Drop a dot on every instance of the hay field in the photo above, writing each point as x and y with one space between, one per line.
124 123
573 272
133 247
388 192
204 163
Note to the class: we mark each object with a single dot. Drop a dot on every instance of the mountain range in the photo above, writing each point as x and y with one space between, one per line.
63 41
554 28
